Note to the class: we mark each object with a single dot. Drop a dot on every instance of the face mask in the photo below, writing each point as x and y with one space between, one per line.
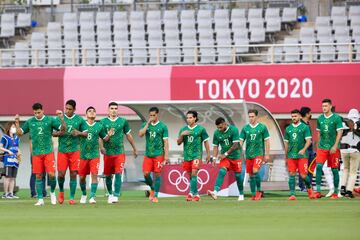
13 130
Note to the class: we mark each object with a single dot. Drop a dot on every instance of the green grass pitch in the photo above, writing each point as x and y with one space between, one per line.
134 217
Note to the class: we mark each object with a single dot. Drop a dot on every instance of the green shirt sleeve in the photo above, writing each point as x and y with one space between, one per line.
126 128
235 135
165 132
318 125
266 134
339 124
286 135
102 133
25 127
307 132
243 134
204 135
56 124
215 139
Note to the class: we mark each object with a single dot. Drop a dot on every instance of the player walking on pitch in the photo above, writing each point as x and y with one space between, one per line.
157 151
227 136
192 137
297 140
257 138
41 128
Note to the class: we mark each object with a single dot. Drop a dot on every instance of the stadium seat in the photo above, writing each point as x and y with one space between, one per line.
324 33
172 50
71 45
204 14
289 15
206 51
23 22
321 22
241 38
224 49
354 12
86 18
237 14
189 44
7 25
21 54
69 18
239 25
6 58
221 19
120 17
255 13
155 42
292 53
139 51
105 52
339 21
338 11
327 52
38 56
102 18
188 14
355 23
277 58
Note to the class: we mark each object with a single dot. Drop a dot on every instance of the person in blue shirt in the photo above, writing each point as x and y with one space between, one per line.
9 144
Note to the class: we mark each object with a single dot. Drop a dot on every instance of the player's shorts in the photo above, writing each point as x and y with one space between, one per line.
188 166
253 163
11 172
69 160
43 163
231 164
89 166
153 164
333 160
114 164
300 164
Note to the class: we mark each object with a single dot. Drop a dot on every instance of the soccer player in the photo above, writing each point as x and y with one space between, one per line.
257 138
41 128
113 150
193 136
297 140
227 136
329 127
157 151
69 151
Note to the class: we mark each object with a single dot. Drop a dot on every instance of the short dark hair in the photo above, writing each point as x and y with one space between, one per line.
71 102
219 120
295 111
89 108
304 111
194 113
253 111
37 106
112 104
154 109
327 100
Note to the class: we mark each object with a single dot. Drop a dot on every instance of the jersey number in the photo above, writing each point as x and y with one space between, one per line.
326 128
252 136
69 128
40 132
294 135
190 139
152 134
227 143
89 136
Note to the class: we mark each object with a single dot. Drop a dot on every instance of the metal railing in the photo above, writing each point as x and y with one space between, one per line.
183 55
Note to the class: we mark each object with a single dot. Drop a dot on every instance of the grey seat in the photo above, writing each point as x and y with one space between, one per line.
69 19
224 46
122 51
189 44
71 45
172 50
86 18
206 47
105 52
203 14
139 50
103 18
322 21
237 13
7 30
188 14
292 53
339 21
239 25
120 17
338 11
23 22
21 54
355 23
221 19
289 15
6 58
155 42
274 55
38 56
327 52
273 20
324 33
241 38
255 13
354 11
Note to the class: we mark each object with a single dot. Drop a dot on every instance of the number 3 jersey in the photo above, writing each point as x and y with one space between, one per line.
254 136
89 146
296 136
193 143
41 133
328 127
226 139
155 135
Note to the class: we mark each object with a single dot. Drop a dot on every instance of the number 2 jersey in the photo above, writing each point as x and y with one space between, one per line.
193 143
254 136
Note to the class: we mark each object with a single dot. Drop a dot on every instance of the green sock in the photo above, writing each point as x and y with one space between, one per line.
335 172
39 188
149 181
253 185
52 182
93 190
117 185
72 184
319 167
220 179
108 180
157 186
258 181
61 181
193 185
83 188
292 183
240 183
307 182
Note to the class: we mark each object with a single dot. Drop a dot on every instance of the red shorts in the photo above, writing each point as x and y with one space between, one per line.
188 166
114 164
254 163
153 164
333 160
231 164
69 160
89 166
43 163
300 164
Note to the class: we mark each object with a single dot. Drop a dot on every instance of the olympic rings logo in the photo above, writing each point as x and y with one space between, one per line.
182 182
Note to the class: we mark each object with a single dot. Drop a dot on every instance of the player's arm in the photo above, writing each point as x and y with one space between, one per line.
339 132
101 146
267 144
166 144
25 128
62 129
286 145
242 137
142 131
182 134
132 143
307 145
234 146
207 149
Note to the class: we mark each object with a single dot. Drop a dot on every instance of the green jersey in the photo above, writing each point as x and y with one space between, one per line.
115 145
193 143
89 146
41 133
254 136
296 136
226 139
155 135
328 127
67 142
